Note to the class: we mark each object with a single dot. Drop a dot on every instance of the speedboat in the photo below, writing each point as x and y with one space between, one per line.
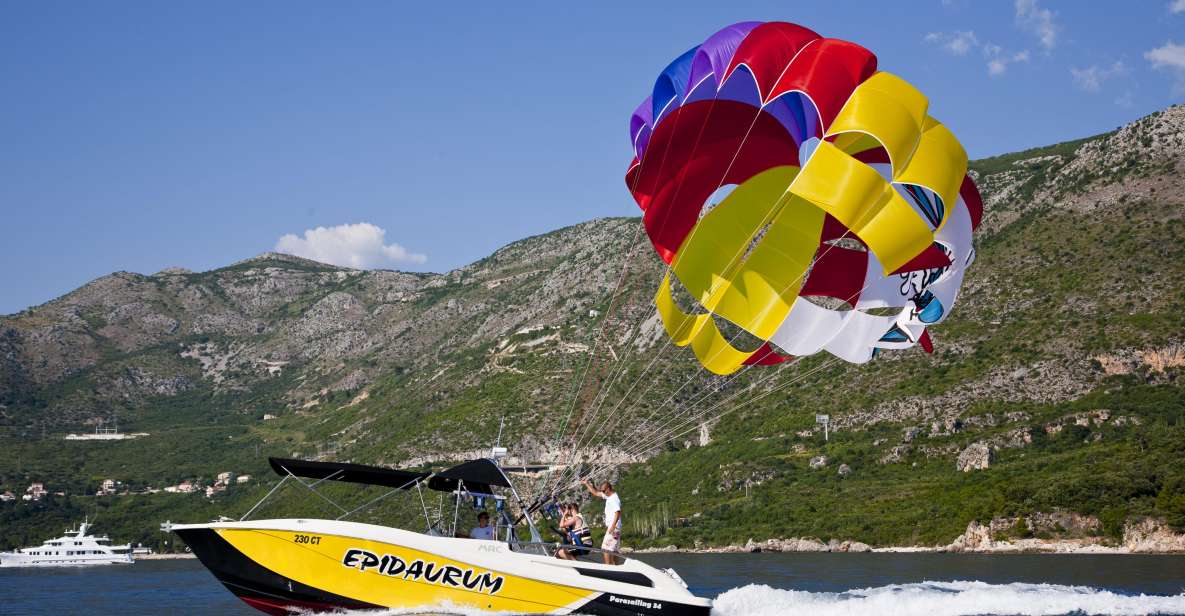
279 566
75 547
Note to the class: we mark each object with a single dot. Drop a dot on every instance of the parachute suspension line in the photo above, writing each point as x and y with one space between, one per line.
597 424
677 411
674 415
664 429
680 408
581 435
661 434
854 68
658 439
627 259
694 229
586 433
621 365
602 432
605 318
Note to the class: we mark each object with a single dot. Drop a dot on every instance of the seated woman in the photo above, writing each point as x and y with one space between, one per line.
579 534
562 529
574 532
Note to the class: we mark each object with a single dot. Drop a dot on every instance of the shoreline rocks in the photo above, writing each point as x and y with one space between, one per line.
1142 536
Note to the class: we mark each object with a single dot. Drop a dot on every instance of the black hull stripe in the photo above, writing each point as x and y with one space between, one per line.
610 604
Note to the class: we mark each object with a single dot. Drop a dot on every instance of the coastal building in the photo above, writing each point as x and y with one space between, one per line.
185 487
35 491
7 497
107 488
102 433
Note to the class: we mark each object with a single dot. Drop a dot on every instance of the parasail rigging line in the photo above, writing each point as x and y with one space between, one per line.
602 433
627 260
580 435
679 410
692 422
621 365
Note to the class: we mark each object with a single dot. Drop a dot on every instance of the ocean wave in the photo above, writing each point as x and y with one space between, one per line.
924 599
944 599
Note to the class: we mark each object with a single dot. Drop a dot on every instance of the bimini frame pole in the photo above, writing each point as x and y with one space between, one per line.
427 516
311 488
457 504
405 486
266 496
535 536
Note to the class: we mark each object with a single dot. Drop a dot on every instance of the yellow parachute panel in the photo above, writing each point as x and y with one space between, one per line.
700 331
939 163
857 196
749 281
889 109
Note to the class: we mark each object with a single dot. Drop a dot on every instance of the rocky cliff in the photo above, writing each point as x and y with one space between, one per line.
1065 349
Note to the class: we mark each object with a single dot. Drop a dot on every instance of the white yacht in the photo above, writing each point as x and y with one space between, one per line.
75 547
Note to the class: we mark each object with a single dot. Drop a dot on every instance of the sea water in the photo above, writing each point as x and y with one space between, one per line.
741 584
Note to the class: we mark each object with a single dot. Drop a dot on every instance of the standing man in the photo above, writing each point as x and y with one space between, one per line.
612 541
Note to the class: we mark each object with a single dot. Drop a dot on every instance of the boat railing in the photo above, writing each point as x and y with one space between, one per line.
552 548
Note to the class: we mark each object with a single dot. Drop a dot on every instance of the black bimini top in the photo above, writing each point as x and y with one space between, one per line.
475 475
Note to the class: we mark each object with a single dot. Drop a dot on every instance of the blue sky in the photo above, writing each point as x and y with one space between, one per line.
138 136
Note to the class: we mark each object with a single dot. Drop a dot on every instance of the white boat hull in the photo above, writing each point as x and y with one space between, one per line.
16 559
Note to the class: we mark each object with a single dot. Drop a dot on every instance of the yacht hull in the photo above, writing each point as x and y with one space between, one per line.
282 566
15 560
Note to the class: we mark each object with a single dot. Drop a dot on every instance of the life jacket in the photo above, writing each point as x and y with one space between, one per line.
580 534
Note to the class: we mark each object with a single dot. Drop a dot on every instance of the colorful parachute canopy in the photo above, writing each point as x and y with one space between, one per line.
776 168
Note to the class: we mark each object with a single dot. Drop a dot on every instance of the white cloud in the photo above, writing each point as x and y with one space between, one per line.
1177 6
1170 57
958 42
1126 100
998 65
961 42
1092 78
361 245
1039 21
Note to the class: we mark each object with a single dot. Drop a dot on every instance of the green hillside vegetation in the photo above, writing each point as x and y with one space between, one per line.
1064 354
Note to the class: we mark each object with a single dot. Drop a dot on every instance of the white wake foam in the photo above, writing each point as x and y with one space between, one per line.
924 599
944 599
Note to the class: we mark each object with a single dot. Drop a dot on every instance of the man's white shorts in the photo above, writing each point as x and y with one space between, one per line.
610 543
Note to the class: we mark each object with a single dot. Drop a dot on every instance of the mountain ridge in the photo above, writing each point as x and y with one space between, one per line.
1072 307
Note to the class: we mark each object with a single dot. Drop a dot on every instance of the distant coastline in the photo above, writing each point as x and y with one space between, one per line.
1047 547
1144 536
